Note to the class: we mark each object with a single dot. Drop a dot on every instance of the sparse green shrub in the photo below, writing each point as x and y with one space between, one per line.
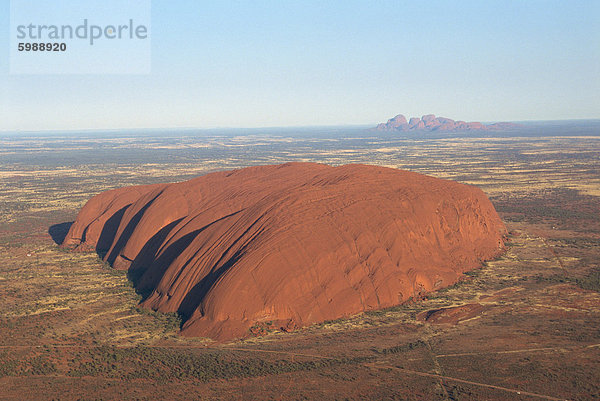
40 365
591 281
8 366
168 364
400 348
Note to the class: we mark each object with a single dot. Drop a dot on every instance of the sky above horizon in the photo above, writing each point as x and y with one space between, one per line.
284 63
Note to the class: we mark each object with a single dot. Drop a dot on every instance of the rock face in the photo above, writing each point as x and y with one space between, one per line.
397 122
291 244
430 122
452 315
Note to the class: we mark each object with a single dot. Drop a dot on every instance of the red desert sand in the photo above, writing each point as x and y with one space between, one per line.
291 244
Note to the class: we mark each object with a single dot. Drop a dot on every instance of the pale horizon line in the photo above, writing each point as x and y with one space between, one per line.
310 126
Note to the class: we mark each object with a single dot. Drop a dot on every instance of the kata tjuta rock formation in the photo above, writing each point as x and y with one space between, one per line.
430 122
294 244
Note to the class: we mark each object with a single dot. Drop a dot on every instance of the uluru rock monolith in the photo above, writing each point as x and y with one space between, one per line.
292 244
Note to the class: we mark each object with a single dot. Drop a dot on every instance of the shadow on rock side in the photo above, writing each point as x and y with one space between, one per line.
59 232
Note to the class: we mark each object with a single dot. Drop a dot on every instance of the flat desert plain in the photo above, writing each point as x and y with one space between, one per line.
525 326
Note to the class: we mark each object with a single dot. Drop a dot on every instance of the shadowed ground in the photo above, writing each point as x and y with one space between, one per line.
58 232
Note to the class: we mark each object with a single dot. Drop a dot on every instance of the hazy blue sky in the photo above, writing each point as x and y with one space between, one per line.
281 63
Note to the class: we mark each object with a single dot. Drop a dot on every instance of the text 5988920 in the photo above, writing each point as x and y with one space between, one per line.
41 47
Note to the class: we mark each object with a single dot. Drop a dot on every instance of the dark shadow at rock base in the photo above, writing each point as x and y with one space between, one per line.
58 232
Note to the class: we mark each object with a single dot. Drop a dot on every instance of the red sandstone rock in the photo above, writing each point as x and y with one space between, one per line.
428 118
298 242
430 122
398 123
414 121
451 315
